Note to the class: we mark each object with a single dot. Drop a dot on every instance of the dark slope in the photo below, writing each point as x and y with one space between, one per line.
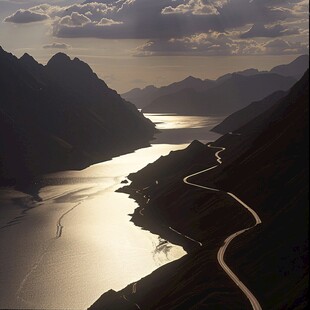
296 68
143 97
61 116
273 176
229 96
242 117
267 167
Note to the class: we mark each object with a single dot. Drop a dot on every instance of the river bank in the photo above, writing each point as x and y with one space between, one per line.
199 227
263 179
79 228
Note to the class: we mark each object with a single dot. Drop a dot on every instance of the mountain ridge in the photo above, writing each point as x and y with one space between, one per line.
66 115
145 97
229 96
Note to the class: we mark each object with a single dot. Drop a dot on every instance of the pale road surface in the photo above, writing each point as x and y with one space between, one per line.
221 253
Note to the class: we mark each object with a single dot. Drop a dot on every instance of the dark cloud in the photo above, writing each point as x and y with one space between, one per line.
260 30
26 16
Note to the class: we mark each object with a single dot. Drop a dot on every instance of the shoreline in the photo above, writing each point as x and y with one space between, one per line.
152 220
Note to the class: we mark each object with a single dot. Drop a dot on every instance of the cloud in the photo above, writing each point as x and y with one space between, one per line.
260 30
280 46
215 43
75 19
172 26
56 45
196 7
26 16
108 22
145 19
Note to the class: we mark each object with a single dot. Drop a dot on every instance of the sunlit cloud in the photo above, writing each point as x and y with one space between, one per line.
214 43
56 45
273 31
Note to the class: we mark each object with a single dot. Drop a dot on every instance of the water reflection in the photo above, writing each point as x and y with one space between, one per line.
173 121
176 129
78 242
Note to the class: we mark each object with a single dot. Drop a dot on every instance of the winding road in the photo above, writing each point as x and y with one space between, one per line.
221 253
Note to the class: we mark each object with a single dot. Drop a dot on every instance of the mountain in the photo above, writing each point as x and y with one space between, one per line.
266 165
177 97
295 69
229 96
61 116
144 97
240 118
141 97
247 114
247 72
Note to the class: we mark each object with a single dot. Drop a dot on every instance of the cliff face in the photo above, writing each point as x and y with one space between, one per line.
266 165
61 116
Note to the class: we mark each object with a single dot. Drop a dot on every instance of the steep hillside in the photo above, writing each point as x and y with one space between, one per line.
266 165
61 116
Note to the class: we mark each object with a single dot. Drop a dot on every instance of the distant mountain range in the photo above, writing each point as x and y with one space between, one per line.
266 164
224 96
249 113
144 97
61 116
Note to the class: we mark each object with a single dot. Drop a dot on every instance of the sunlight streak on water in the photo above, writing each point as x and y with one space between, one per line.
172 121
79 242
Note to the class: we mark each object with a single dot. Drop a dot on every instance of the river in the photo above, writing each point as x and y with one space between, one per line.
78 242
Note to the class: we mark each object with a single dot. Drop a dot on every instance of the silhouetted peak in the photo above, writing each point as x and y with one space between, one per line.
59 58
250 71
191 78
62 62
196 146
28 60
150 87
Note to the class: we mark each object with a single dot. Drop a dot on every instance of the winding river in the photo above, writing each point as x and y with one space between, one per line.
78 242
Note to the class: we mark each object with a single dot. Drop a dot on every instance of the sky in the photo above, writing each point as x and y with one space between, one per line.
134 43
